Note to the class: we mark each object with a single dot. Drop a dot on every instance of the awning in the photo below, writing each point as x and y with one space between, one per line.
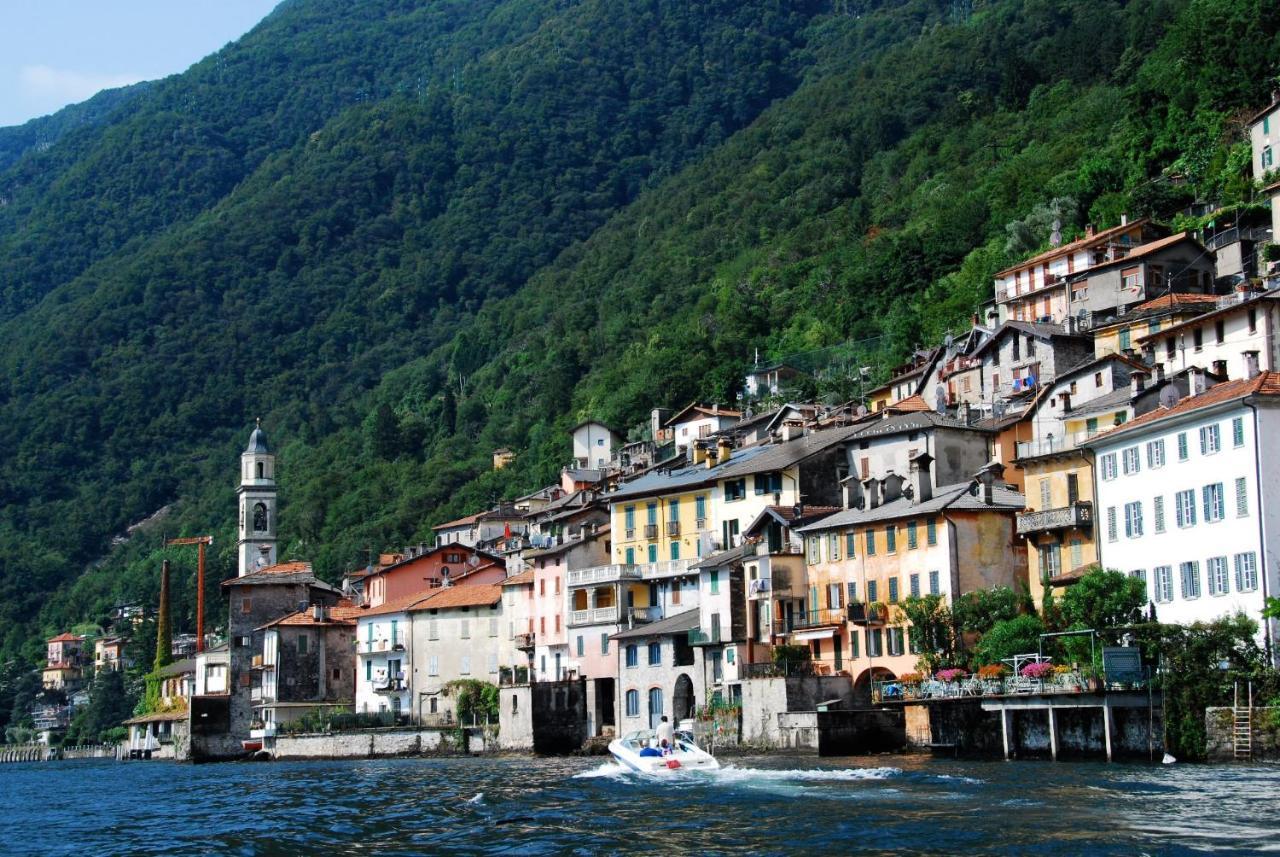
814 634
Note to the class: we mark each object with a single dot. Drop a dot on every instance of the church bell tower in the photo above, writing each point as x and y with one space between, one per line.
257 540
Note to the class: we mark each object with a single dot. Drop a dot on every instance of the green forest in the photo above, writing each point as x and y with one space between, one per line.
405 235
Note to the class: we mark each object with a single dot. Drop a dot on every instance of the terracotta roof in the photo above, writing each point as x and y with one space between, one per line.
1079 244
1264 111
159 716
281 572
519 579
911 403
705 410
66 638
460 522
1175 300
1265 384
1144 250
342 613
476 595
399 605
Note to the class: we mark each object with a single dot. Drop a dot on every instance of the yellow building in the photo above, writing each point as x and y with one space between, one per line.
1059 522
1122 335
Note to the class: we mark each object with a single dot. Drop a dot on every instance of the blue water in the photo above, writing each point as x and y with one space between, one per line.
764 805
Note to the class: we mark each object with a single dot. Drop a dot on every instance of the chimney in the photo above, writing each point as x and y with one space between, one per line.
921 479
1195 380
852 492
317 612
891 487
871 492
1251 364
986 480
1159 373
1124 219
1088 230
1137 382
792 429
715 409
724 448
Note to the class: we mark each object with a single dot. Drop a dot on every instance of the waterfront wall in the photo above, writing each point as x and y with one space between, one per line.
1219 726
383 744
781 713
963 726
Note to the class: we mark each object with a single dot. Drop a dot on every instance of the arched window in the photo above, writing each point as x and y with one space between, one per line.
260 517
633 703
261 470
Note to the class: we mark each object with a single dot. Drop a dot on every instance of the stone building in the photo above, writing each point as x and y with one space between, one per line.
307 664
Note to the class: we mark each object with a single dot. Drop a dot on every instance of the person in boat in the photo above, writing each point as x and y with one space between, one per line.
666 736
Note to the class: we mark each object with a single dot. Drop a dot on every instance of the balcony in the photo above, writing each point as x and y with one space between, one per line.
602 574
1052 445
868 614
388 685
650 531
257 662
758 587
258 729
629 534
698 637
817 619
593 616
673 528
1078 516
700 524
525 641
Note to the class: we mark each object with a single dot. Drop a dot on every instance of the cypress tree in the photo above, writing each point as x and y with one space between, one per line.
164 633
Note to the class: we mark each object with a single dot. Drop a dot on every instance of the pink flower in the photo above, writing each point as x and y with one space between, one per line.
1043 669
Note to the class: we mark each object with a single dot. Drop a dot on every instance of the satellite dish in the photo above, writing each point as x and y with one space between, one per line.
998 408
948 341
473 561
1055 237
940 398
862 410
1169 396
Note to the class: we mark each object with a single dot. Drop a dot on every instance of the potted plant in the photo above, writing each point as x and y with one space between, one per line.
950 674
1038 671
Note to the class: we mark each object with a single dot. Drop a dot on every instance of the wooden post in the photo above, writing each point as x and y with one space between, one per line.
200 598
1106 724
1053 734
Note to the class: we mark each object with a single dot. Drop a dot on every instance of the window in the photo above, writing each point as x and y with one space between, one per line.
833 546
464 629
631 556
651 514
931 531
1091 426
633 655
1133 520
890 538
1111 524
1045 494
1242 498
493 626
850 539
913 540
1217 574
433 665
1237 431
1210 442
1131 461
1267 158
675 550
1125 339
1050 561
715 582
873 591
633 703
582 645
1157 514
655 654
1141 574
368 670
893 590
1197 339
1183 455
1185 501
768 483
1131 278
875 643
493 664
1213 505
1190 574
630 515
700 508
246 606
1170 347
1155 453
914 585
934 583
1077 554
1164 583
303 642
653 553
871 542
815 550
1109 466
896 637
604 643
735 489
1253 320
1246 572
853 591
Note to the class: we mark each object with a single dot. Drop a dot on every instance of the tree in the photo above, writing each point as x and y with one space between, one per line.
1009 637
164 631
382 430
978 611
1101 599
932 631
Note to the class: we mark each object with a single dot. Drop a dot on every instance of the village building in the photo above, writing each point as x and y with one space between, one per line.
769 380
518 613
559 652
658 672
1181 502
1035 290
696 421
64 663
109 654
1122 335
421 567
863 562
722 632
885 445
594 444
1239 336
905 381
177 684
306 664
1021 356
1264 142
1174 264
212 673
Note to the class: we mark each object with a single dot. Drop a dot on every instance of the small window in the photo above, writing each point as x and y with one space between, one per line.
655 654
931 530
246 606
633 655
1237 431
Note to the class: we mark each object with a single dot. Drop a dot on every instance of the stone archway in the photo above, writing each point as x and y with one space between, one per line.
862 684
682 701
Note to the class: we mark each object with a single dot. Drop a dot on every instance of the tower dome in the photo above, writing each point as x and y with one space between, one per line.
258 441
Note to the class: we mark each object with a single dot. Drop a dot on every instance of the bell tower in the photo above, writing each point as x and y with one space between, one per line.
257 537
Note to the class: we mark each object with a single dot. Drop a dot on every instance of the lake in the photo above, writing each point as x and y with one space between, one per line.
767 805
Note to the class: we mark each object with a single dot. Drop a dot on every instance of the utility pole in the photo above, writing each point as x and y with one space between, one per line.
199 542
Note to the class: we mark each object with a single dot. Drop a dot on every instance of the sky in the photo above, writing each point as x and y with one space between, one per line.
59 52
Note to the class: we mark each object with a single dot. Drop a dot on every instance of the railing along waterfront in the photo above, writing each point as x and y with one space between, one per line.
1069 681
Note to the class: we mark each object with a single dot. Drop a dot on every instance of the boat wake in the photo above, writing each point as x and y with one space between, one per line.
731 774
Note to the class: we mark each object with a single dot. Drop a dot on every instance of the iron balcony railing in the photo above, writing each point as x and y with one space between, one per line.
817 619
650 531
525 641
1050 445
1078 515
638 571
698 637
867 614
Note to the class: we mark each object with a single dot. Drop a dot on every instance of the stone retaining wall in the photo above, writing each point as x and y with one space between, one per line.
1219 727
381 744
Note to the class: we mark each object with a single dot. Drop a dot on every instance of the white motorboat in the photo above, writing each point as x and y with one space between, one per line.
639 751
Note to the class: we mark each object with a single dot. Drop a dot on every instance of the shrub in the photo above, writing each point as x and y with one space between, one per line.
993 671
